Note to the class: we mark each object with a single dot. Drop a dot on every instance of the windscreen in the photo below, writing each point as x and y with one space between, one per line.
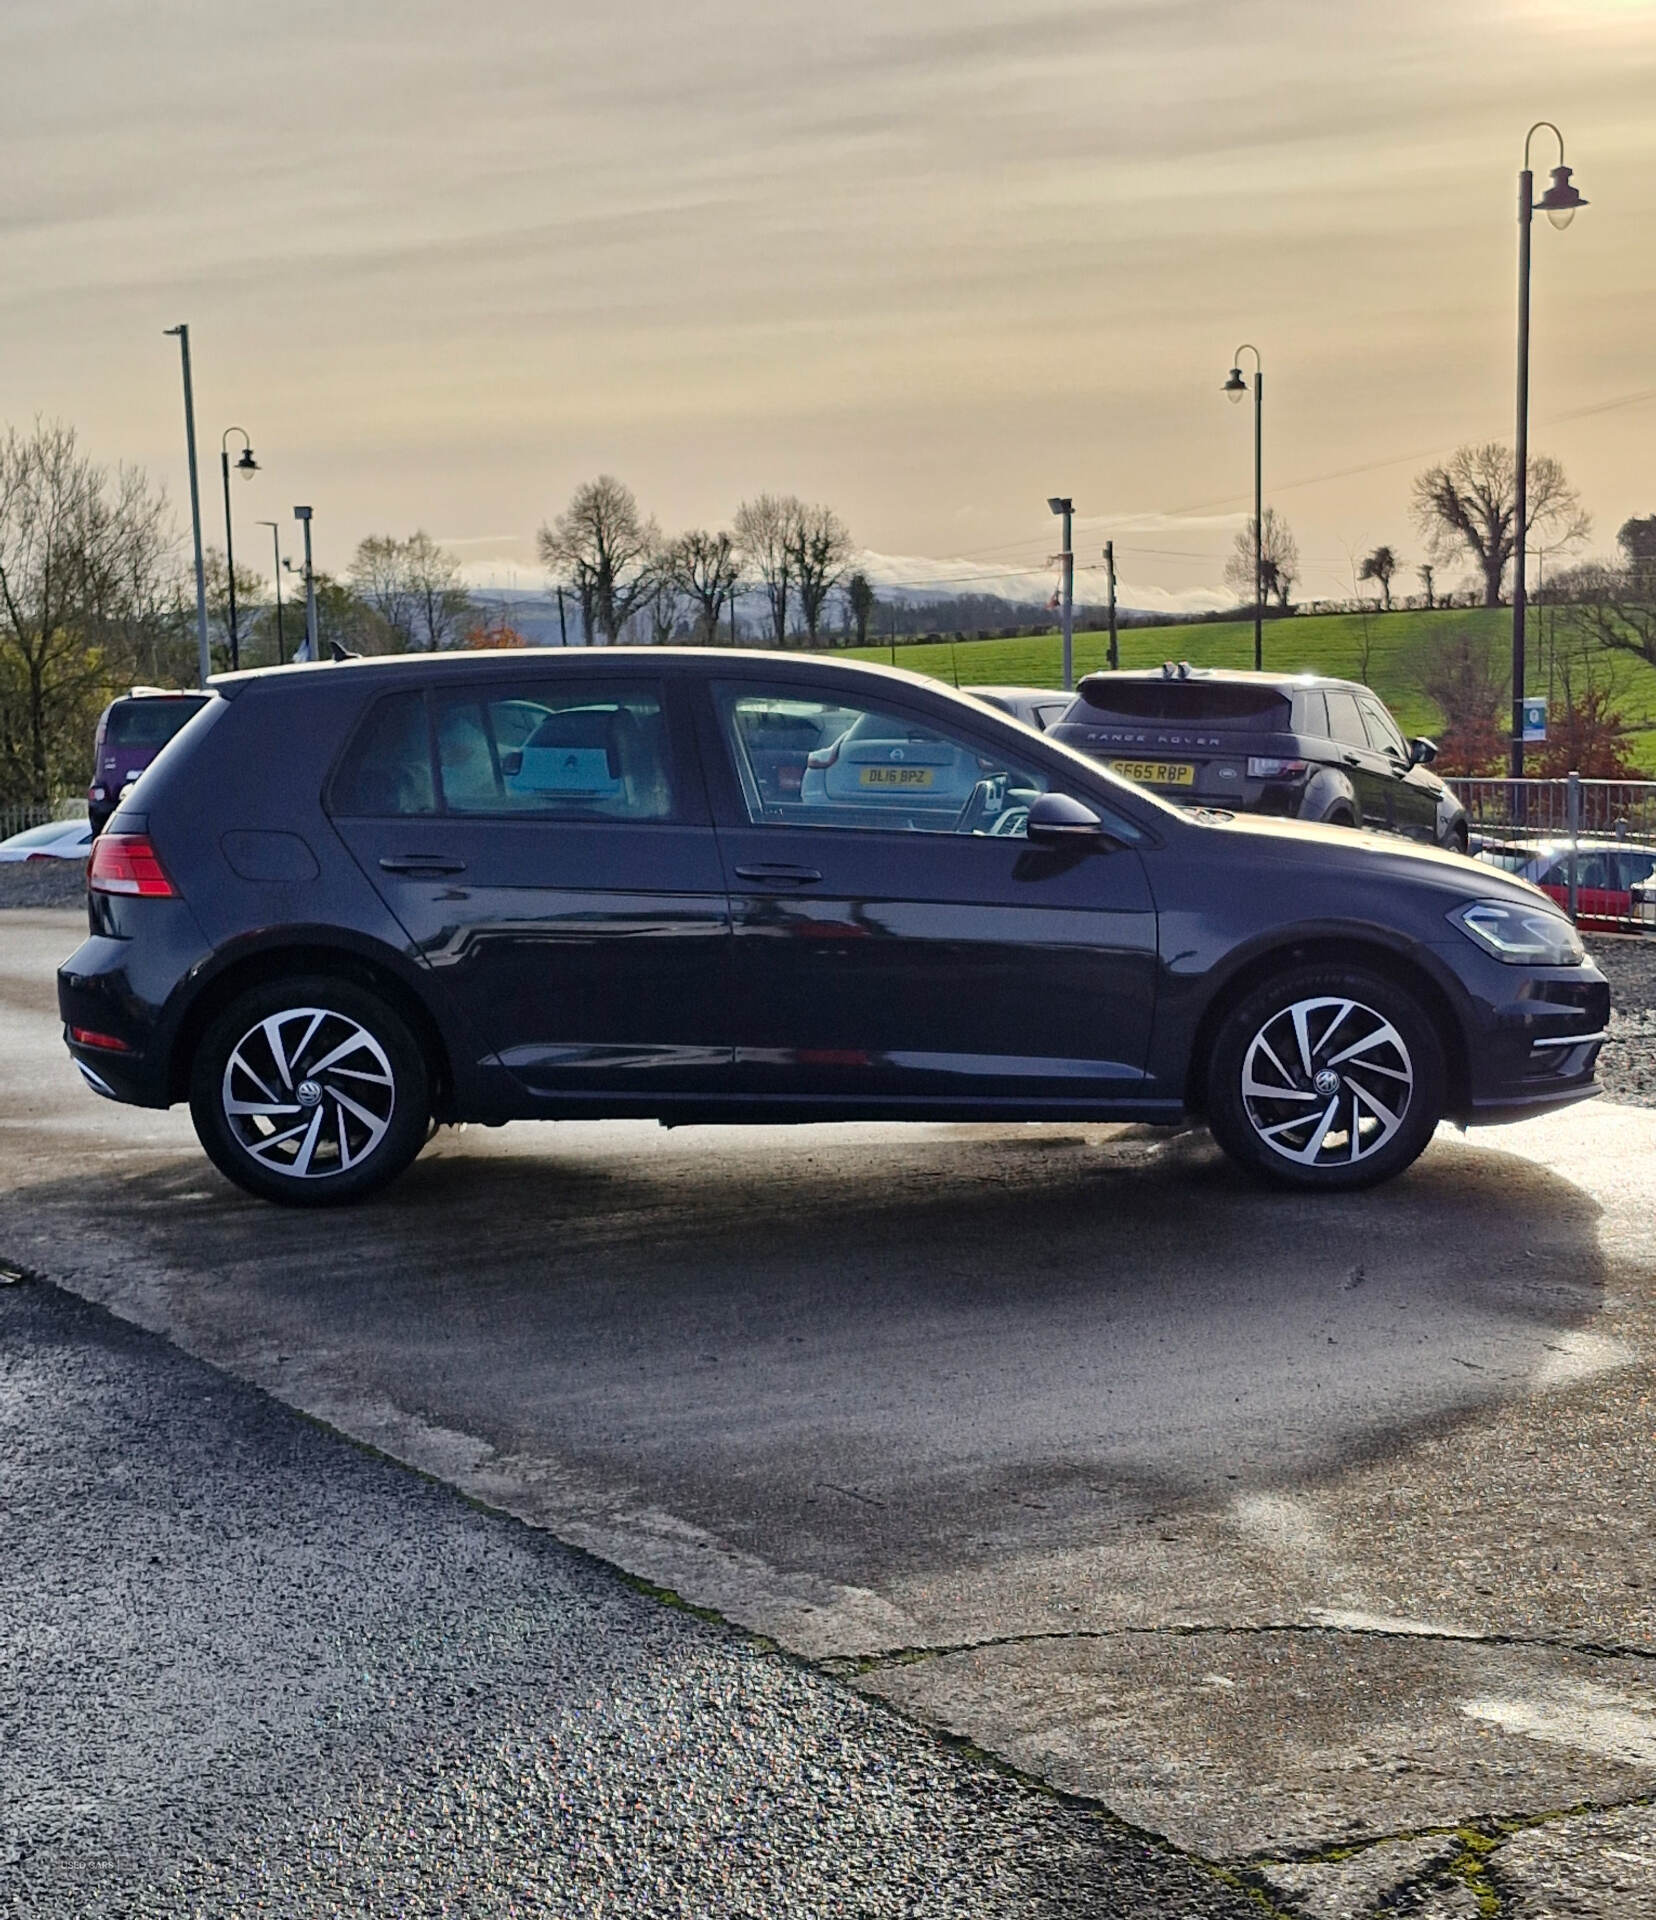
147 723
1188 703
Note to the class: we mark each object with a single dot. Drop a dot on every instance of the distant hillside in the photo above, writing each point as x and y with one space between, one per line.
1313 643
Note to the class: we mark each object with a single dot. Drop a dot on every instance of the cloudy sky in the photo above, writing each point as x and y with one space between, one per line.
927 260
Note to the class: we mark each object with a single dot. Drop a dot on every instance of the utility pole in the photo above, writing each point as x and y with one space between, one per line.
276 549
1065 509
204 658
311 647
1109 561
563 624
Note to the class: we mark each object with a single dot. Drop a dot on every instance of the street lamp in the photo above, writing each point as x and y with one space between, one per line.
1234 388
204 659
276 550
1065 509
247 466
1559 204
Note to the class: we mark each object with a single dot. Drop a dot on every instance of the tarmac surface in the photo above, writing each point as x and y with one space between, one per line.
1310 1535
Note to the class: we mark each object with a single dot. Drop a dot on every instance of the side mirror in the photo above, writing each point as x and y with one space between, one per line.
1056 820
511 765
1422 752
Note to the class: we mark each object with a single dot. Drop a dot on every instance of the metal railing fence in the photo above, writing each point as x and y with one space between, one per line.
1601 835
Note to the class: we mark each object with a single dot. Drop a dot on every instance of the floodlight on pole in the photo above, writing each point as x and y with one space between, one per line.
1235 386
204 657
1065 509
1559 203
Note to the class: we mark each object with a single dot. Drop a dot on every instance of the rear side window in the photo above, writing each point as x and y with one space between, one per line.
147 723
1187 703
585 751
1592 870
387 769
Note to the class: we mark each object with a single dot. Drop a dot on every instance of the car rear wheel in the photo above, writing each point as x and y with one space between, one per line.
310 1092
1326 1077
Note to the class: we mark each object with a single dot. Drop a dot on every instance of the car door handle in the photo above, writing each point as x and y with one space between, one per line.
1351 759
422 863
781 872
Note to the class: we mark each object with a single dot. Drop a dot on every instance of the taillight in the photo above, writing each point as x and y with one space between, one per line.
1277 769
127 863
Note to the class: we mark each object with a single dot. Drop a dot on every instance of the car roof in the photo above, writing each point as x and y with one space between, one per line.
1231 676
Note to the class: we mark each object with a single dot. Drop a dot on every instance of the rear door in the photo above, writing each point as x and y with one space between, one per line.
545 843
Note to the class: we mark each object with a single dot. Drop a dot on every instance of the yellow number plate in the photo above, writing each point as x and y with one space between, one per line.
897 776
1155 773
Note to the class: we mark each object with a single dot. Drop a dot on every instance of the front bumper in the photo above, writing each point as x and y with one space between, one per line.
1533 1037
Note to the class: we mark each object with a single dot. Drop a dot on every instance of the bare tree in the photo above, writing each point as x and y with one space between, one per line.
820 545
414 587
703 568
1380 565
1468 509
1425 576
82 555
1610 606
603 547
1278 564
859 601
1637 540
765 537
379 573
1466 678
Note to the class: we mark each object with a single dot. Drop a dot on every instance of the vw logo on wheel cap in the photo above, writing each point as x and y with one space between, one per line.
308 1094
1327 1083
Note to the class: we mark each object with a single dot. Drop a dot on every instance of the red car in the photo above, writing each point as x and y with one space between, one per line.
1607 871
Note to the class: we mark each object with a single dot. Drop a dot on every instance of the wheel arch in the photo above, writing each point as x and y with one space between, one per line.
282 959
1329 950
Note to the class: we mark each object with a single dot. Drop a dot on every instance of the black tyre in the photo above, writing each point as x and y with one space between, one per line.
310 1092
1326 1077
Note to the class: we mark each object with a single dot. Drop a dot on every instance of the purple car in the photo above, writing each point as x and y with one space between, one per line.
131 732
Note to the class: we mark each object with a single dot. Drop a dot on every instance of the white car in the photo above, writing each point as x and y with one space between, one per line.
57 840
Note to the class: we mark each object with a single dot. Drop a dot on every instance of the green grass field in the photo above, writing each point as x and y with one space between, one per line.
1321 643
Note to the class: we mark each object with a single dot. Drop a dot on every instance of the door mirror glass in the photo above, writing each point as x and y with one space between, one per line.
1422 752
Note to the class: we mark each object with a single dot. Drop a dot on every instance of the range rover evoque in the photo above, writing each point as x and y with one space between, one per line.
349 901
1298 745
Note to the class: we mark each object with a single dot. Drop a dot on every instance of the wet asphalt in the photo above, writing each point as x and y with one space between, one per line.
249 1667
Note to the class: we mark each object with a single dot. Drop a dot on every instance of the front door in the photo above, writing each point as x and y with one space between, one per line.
1412 794
897 939
543 844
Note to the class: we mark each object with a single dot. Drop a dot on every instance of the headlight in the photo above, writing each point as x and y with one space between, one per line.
1521 936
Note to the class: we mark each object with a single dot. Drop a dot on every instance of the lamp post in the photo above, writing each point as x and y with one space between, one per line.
246 466
311 652
1065 509
1559 204
276 552
204 658
1234 388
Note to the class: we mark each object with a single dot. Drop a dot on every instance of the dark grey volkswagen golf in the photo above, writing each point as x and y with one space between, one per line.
349 901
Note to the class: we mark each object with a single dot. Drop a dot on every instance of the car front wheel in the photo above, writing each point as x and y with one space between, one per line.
310 1092
1326 1077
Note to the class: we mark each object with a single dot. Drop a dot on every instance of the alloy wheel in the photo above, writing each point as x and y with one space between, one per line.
308 1093
1326 1081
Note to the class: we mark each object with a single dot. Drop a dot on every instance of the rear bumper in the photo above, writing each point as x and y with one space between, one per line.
126 990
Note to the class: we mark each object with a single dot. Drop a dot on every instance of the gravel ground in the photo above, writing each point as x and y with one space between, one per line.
1627 1067
246 1668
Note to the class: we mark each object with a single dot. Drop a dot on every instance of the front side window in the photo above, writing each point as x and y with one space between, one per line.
1383 734
823 763
1592 870
1345 723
